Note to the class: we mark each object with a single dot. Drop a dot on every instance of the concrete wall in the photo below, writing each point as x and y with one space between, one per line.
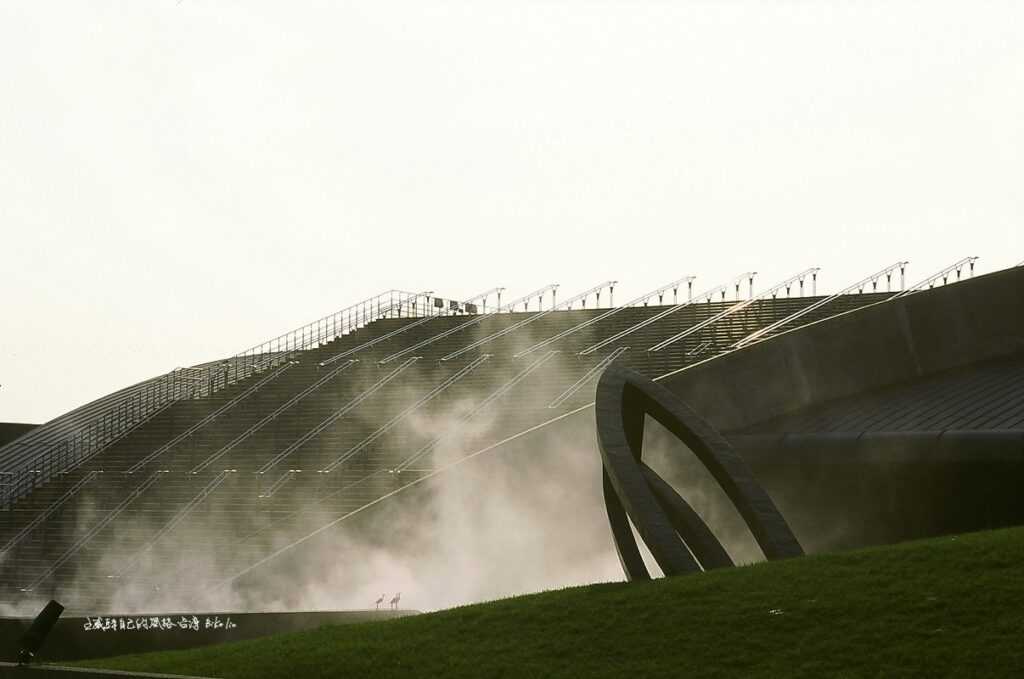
849 489
81 638
877 346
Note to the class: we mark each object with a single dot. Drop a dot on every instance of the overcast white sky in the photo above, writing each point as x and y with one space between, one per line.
180 180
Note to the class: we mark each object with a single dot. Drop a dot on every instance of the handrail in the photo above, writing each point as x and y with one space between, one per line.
276 485
526 321
740 306
404 328
390 424
498 393
377 340
100 525
699 349
674 285
707 294
336 415
462 326
484 295
270 361
228 447
582 297
339 322
130 427
206 420
538 293
944 274
69 439
873 278
180 516
664 288
46 513
587 376
137 397
88 429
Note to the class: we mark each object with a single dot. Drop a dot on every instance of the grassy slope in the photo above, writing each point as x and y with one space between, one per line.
944 607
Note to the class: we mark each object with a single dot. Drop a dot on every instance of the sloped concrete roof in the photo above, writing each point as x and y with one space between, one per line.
986 396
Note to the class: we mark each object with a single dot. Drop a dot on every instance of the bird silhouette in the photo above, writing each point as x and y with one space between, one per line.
380 601
394 601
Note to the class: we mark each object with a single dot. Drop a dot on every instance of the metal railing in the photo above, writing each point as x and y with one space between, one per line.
644 298
468 305
498 393
773 291
393 422
699 349
873 279
92 532
587 377
238 440
707 295
552 287
389 304
46 514
209 418
581 297
181 515
67 441
336 415
279 482
954 268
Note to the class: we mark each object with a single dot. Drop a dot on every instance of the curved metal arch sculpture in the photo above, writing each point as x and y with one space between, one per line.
676 536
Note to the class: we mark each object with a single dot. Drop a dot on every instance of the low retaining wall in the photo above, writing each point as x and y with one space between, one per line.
107 635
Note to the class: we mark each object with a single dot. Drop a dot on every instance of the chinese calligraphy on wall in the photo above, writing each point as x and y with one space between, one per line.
149 623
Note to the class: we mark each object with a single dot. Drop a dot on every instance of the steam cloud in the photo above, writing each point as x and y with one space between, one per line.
525 517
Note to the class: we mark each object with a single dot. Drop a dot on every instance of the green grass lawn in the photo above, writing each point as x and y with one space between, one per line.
951 606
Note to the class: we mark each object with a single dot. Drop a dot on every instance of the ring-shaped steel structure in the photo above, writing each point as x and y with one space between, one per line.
676 536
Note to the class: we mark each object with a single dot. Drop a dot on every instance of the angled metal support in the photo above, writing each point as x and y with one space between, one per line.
707 295
736 308
180 515
498 393
227 448
657 292
336 415
46 514
99 526
468 324
587 377
526 321
956 268
209 418
393 422
859 285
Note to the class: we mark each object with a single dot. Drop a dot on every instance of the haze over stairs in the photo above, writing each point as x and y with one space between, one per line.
225 477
